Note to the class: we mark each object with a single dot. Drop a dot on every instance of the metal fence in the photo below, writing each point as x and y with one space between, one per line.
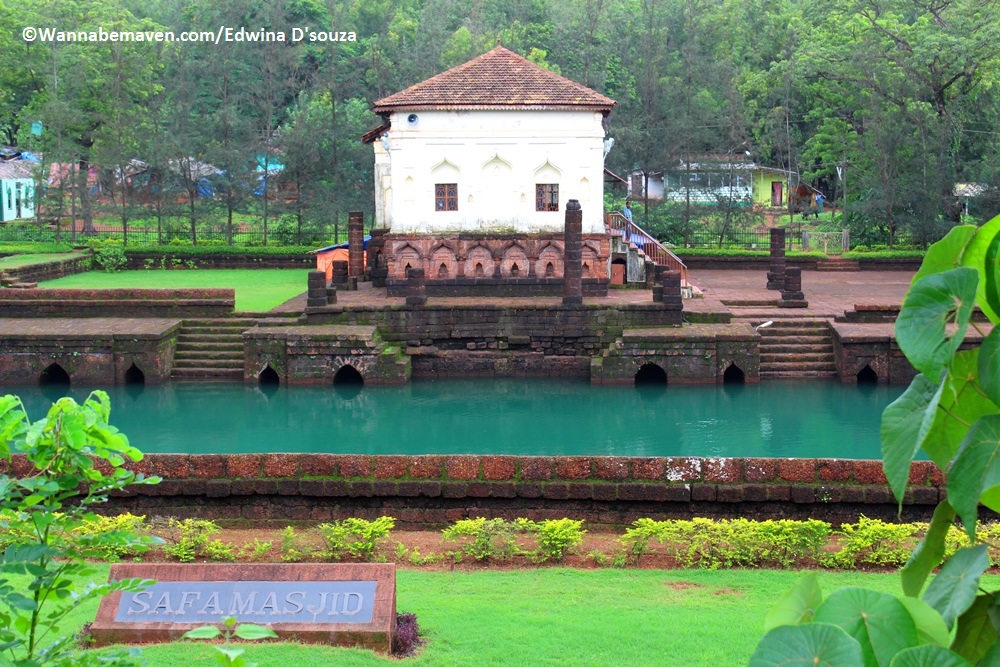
243 236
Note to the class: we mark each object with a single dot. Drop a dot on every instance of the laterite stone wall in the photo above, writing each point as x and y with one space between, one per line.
436 490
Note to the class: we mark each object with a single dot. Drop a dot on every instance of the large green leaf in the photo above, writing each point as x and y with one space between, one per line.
960 404
989 364
251 631
878 621
797 605
901 425
946 254
931 628
975 256
929 552
954 589
933 302
929 656
976 634
992 657
975 475
809 645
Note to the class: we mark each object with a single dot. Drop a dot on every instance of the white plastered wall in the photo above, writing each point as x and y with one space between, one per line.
497 158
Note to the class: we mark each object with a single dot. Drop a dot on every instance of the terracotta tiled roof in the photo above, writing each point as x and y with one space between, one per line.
496 79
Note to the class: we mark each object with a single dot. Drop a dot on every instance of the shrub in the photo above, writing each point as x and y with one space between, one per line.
109 255
709 544
491 539
873 542
188 251
355 538
407 636
555 537
190 540
117 534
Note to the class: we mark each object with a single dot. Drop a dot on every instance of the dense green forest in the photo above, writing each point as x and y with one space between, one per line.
898 100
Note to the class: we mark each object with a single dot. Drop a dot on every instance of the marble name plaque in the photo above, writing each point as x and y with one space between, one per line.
342 604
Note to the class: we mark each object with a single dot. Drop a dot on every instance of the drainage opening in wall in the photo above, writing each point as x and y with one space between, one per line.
733 375
54 374
867 376
650 375
269 377
135 376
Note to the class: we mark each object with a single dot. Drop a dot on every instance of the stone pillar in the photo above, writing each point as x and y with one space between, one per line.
377 267
355 243
791 293
776 274
340 271
671 288
650 275
572 255
316 296
416 290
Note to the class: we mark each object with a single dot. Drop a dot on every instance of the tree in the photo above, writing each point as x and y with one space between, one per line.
43 514
951 412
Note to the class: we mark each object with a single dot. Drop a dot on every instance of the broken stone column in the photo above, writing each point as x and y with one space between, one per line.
355 243
776 274
572 255
316 296
340 273
377 268
791 293
650 275
671 287
416 289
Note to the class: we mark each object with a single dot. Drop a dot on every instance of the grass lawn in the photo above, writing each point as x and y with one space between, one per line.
559 616
14 261
256 289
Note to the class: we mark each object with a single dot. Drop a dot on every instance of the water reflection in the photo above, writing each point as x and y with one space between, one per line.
497 417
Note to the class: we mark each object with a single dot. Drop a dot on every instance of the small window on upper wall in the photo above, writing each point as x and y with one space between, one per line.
547 197
446 197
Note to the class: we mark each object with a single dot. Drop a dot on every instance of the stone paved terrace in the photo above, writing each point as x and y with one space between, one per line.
829 293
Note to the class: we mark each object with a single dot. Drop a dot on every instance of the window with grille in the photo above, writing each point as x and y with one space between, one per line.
446 197
547 197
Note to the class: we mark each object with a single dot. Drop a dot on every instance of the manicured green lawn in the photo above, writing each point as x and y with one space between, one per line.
14 261
556 616
256 289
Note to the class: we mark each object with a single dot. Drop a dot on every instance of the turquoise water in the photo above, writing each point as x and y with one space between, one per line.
544 418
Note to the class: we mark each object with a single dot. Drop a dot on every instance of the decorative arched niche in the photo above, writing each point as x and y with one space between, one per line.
407 257
549 263
479 263
497 205
514 263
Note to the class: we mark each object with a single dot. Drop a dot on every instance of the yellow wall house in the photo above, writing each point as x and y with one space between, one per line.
708 181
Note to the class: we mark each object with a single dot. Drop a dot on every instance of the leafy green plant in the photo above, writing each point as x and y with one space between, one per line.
109 255
190 539
357 539
125 524
873 542
228 629
485 539
710 544
49 506
951 412
556 537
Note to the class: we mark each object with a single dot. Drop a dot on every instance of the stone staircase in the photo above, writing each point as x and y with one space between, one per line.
837 263
210 349
797 348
